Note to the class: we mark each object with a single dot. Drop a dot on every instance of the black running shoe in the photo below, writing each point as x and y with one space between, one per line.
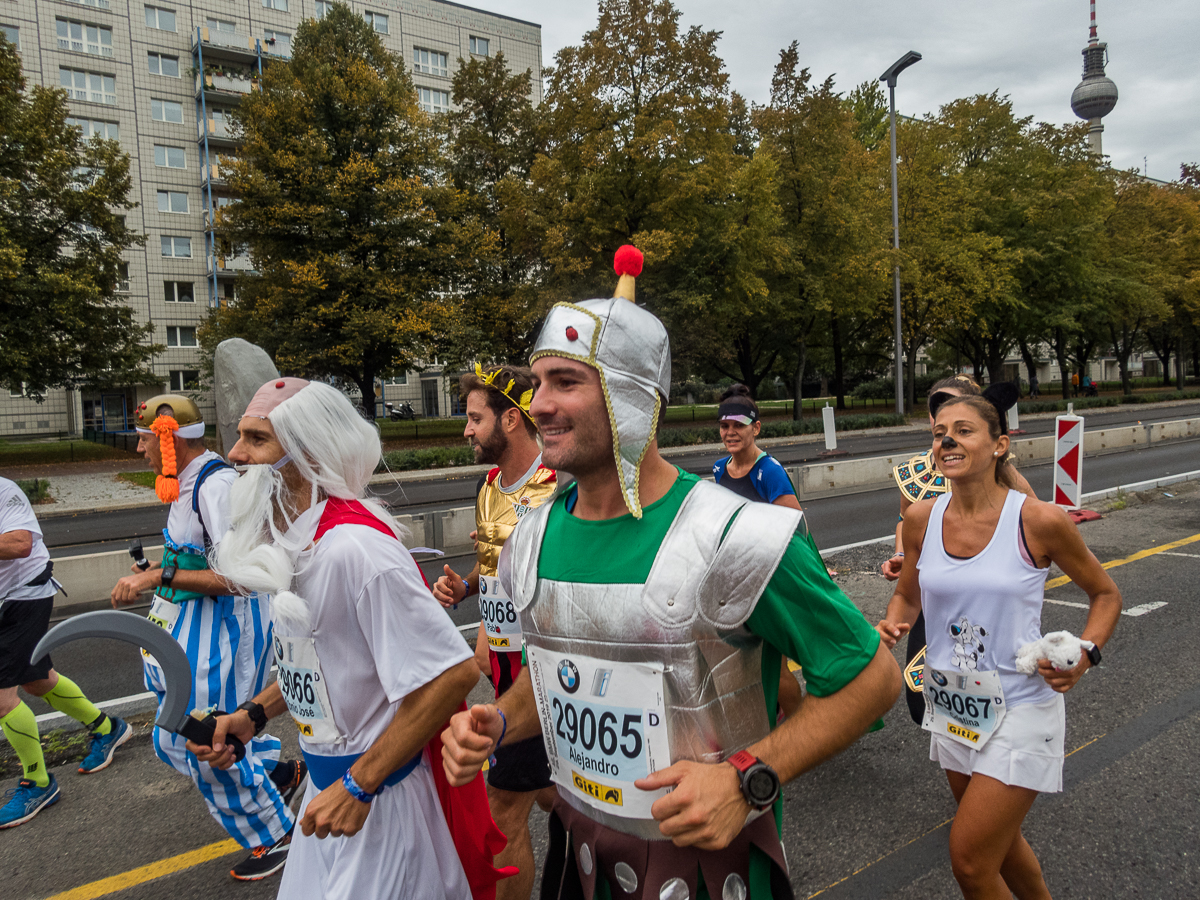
263 861
288 777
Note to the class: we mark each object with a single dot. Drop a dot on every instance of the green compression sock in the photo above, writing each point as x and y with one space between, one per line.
20 727
68 699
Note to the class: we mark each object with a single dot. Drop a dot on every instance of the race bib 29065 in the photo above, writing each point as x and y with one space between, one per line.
604 725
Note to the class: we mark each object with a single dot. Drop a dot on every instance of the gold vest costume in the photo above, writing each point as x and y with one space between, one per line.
497 512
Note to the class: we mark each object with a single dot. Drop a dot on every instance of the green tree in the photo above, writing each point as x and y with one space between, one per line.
492 142
833 215
869 106
62 233
363 252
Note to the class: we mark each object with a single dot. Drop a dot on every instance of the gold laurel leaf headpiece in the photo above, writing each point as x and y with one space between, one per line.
490 380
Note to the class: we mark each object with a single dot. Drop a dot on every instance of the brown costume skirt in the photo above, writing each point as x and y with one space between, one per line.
655 870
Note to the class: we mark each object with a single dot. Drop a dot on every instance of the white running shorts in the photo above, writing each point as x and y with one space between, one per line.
1026 751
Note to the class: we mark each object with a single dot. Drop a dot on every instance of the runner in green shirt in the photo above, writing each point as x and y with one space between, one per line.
647 576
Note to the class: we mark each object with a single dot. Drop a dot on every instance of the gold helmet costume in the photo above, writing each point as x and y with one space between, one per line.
162 416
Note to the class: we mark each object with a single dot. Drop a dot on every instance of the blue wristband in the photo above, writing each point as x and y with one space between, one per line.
503 732
354 789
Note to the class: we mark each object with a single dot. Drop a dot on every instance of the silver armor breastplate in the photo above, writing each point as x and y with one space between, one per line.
704 583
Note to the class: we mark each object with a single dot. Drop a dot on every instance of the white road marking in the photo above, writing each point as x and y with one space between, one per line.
1143 608
1188 555
1065 603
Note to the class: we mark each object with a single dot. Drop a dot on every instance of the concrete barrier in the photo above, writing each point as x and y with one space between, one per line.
89 579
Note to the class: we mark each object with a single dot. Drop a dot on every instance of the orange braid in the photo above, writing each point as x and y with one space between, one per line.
167 484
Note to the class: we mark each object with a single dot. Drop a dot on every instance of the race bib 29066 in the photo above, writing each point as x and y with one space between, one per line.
604 725
303 686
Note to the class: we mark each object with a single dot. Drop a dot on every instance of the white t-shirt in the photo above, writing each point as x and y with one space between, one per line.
183 525
17 515
378 632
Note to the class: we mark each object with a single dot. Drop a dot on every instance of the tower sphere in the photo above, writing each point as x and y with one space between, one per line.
1094 97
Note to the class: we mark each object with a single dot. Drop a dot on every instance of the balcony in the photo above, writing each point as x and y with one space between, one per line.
218 131
229 83
239 263
220 44
215 174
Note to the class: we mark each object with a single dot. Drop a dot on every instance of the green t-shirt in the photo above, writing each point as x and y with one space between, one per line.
801 613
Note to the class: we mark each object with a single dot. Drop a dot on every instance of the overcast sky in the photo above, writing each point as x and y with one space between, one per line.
1027 49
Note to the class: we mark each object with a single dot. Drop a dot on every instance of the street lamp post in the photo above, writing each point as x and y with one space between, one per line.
890 76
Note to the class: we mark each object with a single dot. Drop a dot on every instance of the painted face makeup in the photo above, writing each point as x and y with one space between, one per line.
948 443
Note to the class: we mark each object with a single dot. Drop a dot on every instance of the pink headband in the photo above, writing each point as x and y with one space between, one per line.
271 394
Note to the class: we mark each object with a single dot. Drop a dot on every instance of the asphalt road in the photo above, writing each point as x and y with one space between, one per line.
871 823
101 531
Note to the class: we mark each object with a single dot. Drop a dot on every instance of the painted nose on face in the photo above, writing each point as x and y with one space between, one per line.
948 443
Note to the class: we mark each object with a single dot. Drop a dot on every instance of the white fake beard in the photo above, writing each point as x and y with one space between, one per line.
255 553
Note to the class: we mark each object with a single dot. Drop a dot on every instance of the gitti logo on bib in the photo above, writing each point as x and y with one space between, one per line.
967 733
602 792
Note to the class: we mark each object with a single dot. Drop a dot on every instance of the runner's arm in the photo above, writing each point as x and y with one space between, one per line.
238 723
473 734
905 605
890 569
200 581
16 544
482 659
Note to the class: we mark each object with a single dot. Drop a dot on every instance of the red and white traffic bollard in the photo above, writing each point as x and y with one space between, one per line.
1068 467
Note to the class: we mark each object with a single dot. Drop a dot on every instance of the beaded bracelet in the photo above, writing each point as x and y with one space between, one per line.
354 789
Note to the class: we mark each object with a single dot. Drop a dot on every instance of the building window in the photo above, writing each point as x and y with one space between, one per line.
122 278
278 42
220 25
161 64
84 38
430 62
162 19
172 202
321 8
176 247
166 111
185 380
479 46
397 379
12 34
377 21
169 157
181 336
91 128
99 4
178 292
433 101
95 87
281 5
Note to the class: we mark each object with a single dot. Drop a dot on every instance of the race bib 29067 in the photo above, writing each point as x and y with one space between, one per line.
966 707
604 726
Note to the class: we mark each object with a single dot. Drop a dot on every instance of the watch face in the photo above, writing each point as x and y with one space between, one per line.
762 786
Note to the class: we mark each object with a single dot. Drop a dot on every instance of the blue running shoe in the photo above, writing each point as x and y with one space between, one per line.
25 801
104 745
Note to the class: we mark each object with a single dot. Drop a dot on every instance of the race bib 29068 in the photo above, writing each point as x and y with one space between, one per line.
604 726
500 622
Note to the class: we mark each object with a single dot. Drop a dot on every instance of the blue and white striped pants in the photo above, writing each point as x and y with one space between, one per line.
224 638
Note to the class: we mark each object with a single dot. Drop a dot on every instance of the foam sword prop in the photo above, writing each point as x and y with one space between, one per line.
197 726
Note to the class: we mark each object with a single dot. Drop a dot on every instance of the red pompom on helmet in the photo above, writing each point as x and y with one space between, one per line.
628 261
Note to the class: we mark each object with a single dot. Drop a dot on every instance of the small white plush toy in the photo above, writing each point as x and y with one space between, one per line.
1062 648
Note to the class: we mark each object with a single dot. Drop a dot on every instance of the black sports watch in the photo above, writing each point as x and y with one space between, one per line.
760 784
167 575
257 715
1093 655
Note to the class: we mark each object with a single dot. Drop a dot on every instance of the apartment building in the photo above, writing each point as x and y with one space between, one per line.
162 77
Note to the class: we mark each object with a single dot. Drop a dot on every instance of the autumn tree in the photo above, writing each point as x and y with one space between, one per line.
363 253
62 233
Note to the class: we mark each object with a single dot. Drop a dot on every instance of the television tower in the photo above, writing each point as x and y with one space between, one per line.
1096 95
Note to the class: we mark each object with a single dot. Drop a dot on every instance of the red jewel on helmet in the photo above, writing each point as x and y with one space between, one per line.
572 334
279 384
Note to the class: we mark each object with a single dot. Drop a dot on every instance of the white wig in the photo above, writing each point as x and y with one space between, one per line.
336 451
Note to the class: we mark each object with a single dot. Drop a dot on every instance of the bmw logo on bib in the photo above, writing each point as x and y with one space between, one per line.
568 676
483 585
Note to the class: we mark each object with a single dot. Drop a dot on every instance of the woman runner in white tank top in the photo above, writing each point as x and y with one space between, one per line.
975 562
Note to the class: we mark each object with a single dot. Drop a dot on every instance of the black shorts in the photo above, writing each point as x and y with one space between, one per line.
22 625
521 767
